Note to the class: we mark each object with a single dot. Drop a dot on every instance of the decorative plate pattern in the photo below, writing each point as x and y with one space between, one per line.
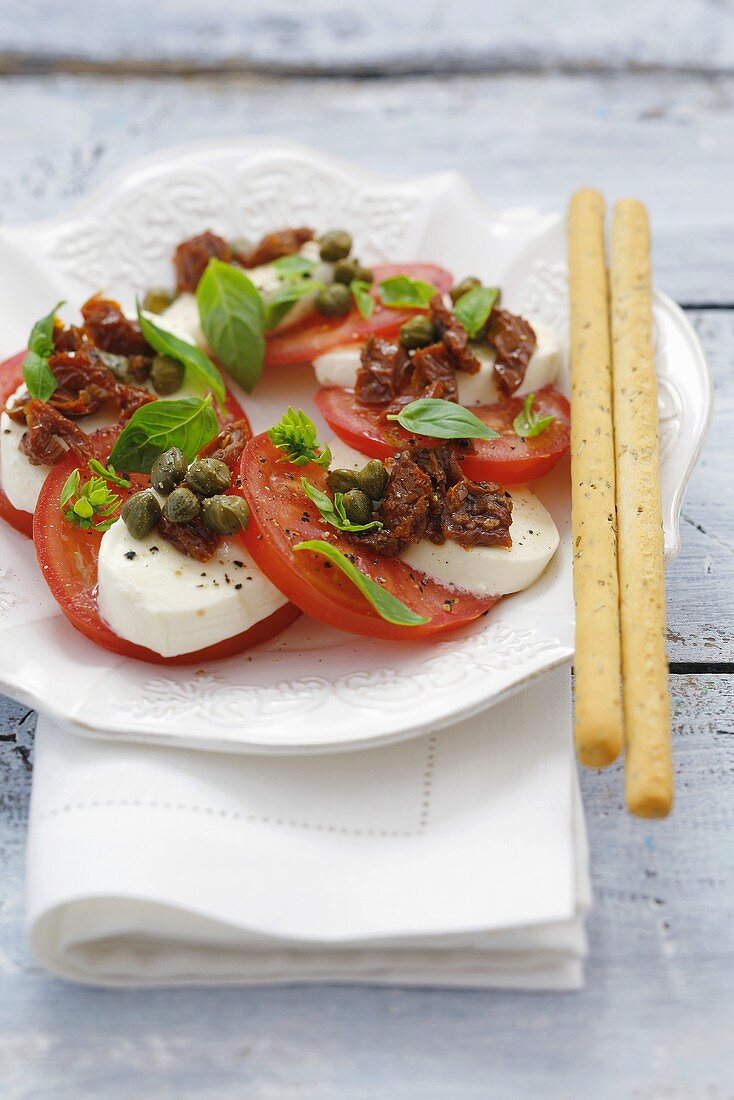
311 689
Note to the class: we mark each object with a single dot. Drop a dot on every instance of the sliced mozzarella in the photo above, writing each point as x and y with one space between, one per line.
339 368
21 481
494 570
182 317
151 594
484 570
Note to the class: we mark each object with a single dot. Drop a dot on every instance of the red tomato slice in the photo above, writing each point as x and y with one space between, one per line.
68 561
316 335
509 460
281 515
11 376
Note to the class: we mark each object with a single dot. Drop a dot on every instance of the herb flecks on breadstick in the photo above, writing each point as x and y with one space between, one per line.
598 704
648 768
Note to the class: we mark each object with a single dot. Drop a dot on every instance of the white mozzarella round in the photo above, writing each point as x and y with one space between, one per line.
151 594
339 368
483 570
494 570
21 481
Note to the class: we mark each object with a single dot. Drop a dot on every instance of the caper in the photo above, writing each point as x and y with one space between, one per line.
372 479
225 514
335 245
118 364
417 332
208 476
169 470
341 481
141 513
166 374
182 506
157 300
470 283
357 506
334 300
347 270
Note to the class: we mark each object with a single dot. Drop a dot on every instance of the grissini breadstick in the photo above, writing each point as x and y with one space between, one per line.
648 769
598 704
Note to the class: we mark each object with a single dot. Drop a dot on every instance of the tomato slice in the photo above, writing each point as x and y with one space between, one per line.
11 376
281 515
68 560
316 335
509 460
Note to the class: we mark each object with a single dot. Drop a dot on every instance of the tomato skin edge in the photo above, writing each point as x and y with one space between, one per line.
11 376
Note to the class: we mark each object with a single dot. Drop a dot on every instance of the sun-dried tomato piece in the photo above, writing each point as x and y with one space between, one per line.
131 398
192 256
109 328
477 513
454 336
433 366
404 510
228 445
282 242
194 539
513 340
384 369
47 432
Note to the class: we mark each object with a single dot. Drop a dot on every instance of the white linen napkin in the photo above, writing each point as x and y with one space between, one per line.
453 859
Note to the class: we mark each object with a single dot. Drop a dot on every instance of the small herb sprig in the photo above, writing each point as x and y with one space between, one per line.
92 505
363 300
332 511
527 423
297 438
472 310
37 374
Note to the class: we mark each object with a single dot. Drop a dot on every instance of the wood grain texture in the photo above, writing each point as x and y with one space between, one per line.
654 1021
382 36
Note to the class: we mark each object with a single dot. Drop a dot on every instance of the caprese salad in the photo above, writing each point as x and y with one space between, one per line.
166 532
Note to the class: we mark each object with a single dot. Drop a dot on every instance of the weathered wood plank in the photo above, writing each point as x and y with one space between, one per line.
655 1019
668 140
334 36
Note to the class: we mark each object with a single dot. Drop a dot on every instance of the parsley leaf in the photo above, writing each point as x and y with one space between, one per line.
332 511
91 506
441 419
386 605
402 292
363 299
473 308
297 437
37 374
528 424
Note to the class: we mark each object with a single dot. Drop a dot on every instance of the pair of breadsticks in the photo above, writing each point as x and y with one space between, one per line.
621 672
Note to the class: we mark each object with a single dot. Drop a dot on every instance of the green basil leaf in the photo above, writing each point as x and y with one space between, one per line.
528 424
188 423
442 420
295 265
280 301
363 299
38 376
386 605
109 473
199 366
297 438
233 318
332 511
473 308
402 292
41 338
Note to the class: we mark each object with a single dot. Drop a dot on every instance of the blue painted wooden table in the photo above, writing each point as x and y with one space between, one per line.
529 104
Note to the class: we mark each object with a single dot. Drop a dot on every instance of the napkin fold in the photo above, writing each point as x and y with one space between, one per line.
455 859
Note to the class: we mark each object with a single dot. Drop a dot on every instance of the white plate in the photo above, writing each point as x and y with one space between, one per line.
311 689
